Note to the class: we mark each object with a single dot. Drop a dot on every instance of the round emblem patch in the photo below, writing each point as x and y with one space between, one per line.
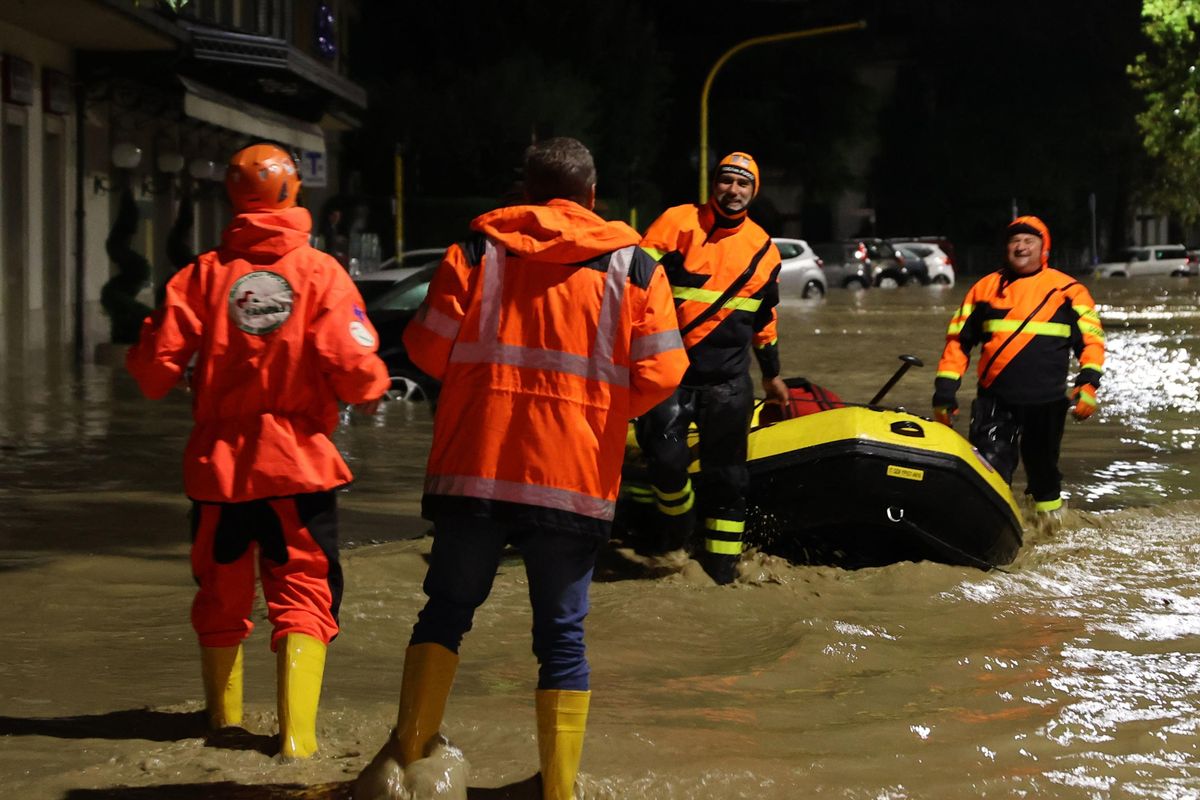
360 334
260 302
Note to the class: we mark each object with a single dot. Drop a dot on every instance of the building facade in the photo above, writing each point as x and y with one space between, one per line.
110 101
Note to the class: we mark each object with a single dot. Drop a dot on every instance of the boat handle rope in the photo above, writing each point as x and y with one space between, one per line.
970 559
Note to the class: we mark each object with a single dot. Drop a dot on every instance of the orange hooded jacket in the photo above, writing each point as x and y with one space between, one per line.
550 330
1027 327
280 336
704 252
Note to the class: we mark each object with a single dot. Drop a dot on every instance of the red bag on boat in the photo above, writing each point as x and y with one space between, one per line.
804 397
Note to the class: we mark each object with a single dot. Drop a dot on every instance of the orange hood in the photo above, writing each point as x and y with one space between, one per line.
267 233
1039 226
560 232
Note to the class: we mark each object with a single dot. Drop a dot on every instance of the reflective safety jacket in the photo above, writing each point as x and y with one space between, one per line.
704 253
280 336
1028 327
549 330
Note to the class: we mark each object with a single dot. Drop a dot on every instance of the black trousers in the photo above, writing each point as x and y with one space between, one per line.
1001 430
722 416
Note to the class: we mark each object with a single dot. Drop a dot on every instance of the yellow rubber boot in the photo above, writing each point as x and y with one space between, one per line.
221 668
561 721
300 666
428 675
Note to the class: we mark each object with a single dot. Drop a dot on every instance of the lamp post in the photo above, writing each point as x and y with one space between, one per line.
737 48
1095 241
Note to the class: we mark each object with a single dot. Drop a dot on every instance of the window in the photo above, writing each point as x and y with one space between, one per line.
267 17
1164 253
787 249
14 230
1133 254
54 227
405 295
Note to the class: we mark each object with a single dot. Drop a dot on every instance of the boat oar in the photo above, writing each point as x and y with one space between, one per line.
909 361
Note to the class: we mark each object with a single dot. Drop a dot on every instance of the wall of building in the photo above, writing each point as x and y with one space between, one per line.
37 198
38 173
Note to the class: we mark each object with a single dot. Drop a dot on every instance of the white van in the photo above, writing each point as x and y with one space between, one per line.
1151 259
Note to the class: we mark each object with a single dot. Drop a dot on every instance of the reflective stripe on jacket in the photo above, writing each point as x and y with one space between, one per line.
280 336
703 254
1027 327
547 346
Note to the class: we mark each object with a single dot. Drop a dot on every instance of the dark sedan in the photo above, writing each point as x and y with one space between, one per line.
390 313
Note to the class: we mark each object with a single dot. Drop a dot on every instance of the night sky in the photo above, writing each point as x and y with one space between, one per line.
943 113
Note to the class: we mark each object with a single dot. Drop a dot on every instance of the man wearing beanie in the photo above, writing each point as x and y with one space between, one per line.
724 274
1028 319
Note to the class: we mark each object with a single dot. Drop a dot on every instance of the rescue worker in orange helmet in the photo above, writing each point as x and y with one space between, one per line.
549 329
1028 319
279 336
724 274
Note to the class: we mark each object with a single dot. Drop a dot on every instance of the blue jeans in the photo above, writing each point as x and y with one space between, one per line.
466 554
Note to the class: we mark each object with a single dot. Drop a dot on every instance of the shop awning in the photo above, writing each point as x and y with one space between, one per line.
209 105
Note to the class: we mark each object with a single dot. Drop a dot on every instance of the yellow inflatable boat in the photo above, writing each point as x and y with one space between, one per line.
863 486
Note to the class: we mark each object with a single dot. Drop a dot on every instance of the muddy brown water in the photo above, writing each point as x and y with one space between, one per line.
1073 675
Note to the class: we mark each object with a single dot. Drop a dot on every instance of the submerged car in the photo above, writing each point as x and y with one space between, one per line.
371 285
887 262
1153 259
846 264
939 266
390 313
800 270
396 269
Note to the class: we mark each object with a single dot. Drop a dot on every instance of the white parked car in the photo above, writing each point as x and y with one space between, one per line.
1151 259
800 273
937 261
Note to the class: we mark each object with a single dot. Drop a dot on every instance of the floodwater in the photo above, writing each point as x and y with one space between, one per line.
1073 674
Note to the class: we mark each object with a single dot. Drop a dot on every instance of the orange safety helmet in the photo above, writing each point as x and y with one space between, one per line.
740 164
262 177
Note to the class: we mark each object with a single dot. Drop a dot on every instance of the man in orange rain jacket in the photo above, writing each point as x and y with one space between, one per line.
280 336
1028 319
549 329
724 274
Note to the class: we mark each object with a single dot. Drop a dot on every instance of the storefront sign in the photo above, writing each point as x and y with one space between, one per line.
18 81
312 169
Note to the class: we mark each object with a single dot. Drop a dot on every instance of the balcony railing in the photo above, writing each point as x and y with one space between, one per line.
215 44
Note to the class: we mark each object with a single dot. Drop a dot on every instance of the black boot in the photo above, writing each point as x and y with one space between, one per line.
676 532
721 568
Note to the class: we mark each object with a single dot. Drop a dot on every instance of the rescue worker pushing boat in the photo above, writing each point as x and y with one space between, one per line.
280 336
1028 319
549 329
724 274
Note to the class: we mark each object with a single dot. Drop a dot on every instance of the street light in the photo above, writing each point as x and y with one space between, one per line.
737 48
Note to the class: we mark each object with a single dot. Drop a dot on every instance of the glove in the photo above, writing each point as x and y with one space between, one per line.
945 415
1084 398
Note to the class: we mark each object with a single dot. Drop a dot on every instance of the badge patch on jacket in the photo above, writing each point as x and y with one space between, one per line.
360 334
260 302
